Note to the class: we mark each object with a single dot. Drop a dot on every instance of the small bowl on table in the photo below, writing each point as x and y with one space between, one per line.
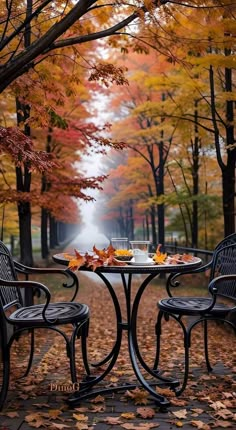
123 255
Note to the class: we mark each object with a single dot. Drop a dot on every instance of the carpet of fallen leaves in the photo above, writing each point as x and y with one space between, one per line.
39 400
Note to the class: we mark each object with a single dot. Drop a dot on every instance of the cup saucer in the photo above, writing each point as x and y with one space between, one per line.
148 262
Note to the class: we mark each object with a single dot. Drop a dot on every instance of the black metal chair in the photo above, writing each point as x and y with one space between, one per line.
16 316
222 285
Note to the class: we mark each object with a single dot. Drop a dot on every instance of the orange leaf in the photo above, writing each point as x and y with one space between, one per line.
180 414
140 397
128 415
80 417
12 414
146 412
113 420
200 425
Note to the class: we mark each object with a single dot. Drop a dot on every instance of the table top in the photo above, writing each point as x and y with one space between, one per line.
139 269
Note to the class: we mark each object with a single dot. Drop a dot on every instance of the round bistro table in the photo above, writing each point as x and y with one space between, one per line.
88 387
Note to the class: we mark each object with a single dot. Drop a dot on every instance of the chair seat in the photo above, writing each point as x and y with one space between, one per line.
192 306
62 312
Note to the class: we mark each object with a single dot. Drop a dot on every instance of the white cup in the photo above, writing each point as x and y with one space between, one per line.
140 250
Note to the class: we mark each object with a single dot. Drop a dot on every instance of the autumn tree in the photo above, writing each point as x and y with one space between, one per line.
39 108
198 96
148 136
202 43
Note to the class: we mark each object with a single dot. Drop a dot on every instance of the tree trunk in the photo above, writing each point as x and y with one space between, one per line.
53 233
195 178
153 225
23 184
228 168
23 175
44 233
160 192
147 226
228 184
130 232
228 174
26 250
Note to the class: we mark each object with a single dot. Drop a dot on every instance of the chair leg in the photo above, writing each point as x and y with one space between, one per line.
84 335
4 373
71 355
158 340
187 344
31 354
187 337
205 331
79 331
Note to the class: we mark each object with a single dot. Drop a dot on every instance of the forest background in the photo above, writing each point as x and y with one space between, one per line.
165 72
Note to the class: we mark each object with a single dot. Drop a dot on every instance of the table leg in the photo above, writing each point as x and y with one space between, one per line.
91 380
137 359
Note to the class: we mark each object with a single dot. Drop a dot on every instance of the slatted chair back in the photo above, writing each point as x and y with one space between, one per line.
9 296
224 263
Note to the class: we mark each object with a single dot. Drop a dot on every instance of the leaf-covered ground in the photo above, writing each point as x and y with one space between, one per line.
39 400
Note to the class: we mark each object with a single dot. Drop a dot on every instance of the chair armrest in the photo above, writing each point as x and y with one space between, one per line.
172 281
71 276
31 284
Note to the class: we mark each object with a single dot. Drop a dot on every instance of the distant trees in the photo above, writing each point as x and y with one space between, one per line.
196 116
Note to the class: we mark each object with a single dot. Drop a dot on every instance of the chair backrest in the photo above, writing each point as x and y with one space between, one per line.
9 296
224 263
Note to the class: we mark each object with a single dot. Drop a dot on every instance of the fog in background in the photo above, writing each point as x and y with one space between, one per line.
90 235
91 166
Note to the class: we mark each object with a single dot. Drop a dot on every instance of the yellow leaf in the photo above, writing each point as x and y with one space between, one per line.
54 413
80 417
128 415
179 424
159 258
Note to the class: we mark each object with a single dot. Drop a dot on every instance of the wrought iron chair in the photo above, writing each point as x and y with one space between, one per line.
222 285
17 317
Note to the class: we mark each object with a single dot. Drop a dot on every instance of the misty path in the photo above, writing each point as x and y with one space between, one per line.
89 237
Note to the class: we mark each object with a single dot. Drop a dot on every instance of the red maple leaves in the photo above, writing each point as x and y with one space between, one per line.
99 257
